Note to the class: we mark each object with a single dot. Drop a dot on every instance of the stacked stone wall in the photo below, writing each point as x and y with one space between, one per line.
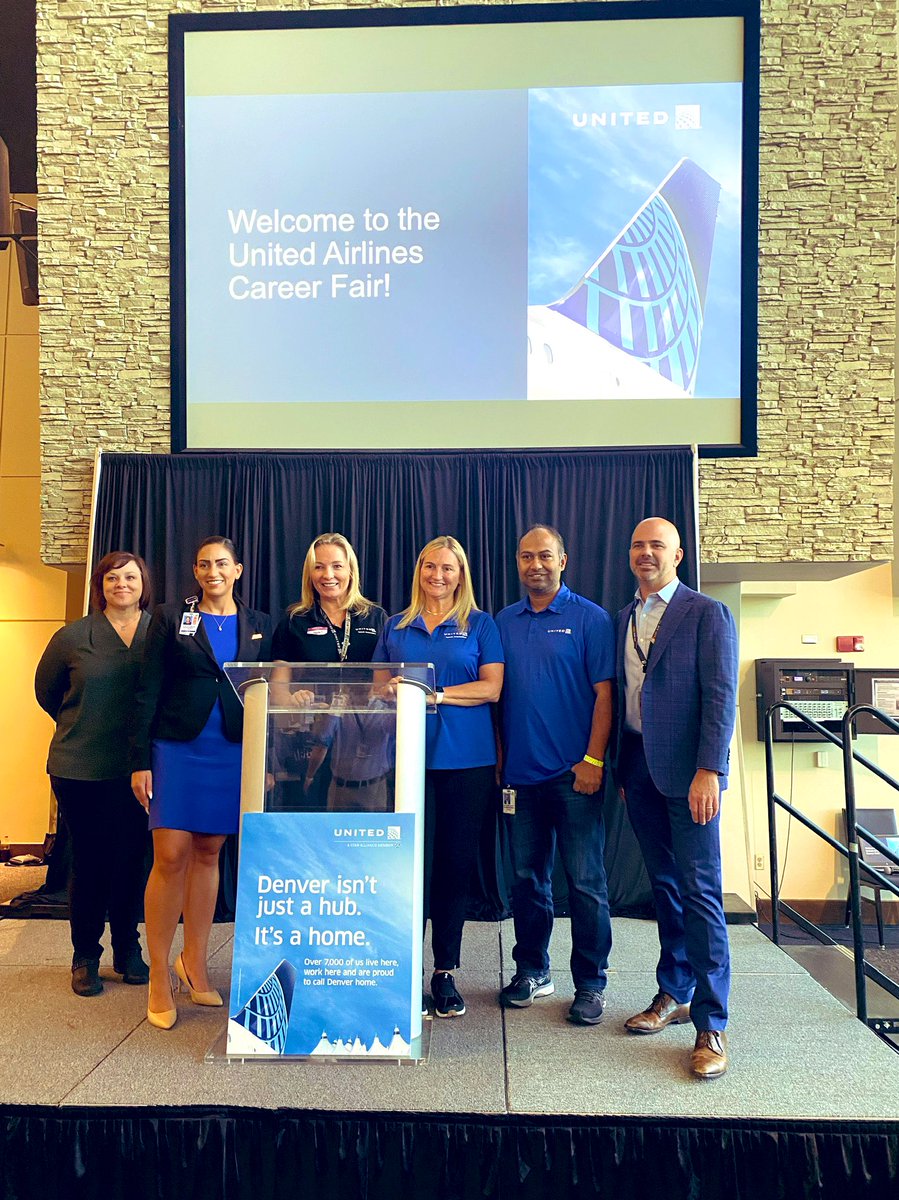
821 486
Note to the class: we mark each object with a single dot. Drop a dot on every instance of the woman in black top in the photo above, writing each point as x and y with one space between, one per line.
86 681
331 622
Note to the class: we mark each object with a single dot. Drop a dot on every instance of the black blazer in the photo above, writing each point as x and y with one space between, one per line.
180 679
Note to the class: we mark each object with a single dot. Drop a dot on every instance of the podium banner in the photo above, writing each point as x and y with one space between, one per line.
324 944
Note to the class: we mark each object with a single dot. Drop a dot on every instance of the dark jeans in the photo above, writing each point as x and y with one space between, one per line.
109 836
456 806
684 864
546 815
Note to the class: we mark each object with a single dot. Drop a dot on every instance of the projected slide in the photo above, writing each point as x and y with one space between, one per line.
473 235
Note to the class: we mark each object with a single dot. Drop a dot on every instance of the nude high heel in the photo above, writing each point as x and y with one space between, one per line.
161 1020
211 999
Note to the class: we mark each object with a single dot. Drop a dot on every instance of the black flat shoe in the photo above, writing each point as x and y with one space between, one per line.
131 966
86 979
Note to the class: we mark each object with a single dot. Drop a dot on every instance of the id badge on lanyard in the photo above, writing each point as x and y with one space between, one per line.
190 619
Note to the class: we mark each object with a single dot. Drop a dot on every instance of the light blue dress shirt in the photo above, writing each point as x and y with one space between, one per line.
649 613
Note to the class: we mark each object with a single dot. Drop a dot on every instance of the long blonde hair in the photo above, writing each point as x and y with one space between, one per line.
355 602
464 595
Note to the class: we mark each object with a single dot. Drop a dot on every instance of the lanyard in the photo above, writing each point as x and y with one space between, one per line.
644 658
343 644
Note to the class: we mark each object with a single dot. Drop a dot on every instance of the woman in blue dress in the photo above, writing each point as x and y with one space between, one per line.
186 764
444 626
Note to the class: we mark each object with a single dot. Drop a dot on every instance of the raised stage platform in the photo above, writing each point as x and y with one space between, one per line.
95 1102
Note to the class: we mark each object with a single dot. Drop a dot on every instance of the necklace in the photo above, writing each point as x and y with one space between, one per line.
123 624
220 625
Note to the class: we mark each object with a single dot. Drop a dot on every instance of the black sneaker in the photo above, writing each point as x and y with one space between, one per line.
447 1001
131 966
86 979
588 1007
524 990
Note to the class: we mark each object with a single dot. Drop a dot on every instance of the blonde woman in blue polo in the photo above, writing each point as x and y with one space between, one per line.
443 625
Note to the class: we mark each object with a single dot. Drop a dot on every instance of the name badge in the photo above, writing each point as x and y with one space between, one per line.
317 631
189 623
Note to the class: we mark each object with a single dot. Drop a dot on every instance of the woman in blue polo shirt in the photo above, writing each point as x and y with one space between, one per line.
443 625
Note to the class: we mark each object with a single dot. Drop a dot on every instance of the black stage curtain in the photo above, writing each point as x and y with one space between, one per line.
232 1154
389 505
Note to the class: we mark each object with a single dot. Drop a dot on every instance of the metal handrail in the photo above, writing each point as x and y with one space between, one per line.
863 969
852 832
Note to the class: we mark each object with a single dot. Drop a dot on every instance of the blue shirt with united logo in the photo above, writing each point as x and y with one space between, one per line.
456 737
553 660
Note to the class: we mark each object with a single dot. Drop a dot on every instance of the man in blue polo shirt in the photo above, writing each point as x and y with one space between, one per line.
556 720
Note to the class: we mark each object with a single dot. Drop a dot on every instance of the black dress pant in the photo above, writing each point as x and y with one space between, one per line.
456 806
108 829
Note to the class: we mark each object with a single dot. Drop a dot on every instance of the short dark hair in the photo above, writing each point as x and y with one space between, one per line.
217 539
550 529
112 562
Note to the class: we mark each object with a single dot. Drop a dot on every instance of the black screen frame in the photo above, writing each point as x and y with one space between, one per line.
610 10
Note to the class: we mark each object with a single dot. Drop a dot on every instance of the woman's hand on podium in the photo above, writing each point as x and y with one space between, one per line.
302 698
142 786
387 691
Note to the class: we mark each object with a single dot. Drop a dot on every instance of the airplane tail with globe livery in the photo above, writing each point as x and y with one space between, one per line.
631 326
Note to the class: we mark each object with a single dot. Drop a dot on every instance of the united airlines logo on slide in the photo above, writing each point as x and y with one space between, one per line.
687 116
682 116
393 833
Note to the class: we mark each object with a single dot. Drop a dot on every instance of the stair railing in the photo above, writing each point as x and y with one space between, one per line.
863 970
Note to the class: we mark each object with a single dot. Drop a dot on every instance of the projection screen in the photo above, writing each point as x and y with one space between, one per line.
510 226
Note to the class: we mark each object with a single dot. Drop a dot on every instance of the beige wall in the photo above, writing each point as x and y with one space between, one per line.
822 485
32 596
773 628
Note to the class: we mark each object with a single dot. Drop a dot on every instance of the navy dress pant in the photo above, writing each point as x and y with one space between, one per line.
683 860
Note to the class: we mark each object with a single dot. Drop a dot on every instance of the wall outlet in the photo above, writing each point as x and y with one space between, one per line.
760 862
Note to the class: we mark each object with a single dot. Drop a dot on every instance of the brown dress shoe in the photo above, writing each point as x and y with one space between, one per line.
663 1011
709 1057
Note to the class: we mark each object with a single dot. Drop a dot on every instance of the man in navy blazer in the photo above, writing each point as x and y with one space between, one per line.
677 686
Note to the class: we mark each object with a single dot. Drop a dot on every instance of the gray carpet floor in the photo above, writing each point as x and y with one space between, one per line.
15 880
795 1051
886 961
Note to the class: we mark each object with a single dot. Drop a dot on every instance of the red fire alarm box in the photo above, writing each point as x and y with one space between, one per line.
851 644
